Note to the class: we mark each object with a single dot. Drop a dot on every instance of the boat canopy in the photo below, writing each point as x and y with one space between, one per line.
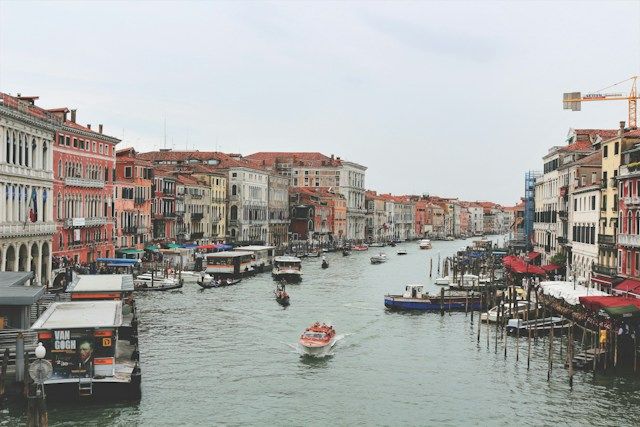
119 262
568 291
91 283
80 315
288 259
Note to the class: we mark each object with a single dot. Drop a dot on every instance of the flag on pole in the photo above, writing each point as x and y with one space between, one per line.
33 203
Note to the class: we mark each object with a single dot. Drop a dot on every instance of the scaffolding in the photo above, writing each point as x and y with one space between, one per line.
529 205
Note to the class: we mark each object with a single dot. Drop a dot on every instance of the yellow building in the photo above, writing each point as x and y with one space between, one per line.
217 182
611 149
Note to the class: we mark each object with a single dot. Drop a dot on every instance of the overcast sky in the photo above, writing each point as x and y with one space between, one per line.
451 99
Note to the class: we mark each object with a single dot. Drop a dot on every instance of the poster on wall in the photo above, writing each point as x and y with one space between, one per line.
71 353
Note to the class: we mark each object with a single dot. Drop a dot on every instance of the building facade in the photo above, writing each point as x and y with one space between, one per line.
26 186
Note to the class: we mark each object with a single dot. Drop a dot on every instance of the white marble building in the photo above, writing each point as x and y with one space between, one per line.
26 187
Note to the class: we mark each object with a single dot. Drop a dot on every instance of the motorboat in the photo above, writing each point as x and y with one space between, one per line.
325 263
282 297
287 268
317 339
346 252
314 254
415 299
207 281
392 244
449 238
517 310
376 245
544 325
469 281
379 259
153 282
360 248
443 281
425 244
402 252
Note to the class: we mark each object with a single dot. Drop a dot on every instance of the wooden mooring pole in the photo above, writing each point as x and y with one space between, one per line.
3 372
550 367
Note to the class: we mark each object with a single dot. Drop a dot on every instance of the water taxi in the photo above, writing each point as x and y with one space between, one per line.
262 256
230 263
317 339
287 268
415 299
424 244
156 281
402 252
379 259
88 356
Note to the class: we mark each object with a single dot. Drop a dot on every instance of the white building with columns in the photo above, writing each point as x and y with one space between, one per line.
26 187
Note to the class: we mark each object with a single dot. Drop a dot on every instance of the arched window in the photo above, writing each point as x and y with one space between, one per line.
8 151
59 209
45 150
14 146
34 147
20 149
60 169
234 190
637 222
26 153
233 212
629 222
45 217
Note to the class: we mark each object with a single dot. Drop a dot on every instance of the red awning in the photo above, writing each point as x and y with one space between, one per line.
550 267
602 280
521 267
628 285
533 255
211 246
597 303
508 260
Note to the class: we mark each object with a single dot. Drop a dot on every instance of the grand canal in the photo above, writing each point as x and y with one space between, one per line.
227 356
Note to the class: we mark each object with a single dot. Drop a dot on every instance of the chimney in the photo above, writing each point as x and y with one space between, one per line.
621 130
73 116
100 128
332 157
89 126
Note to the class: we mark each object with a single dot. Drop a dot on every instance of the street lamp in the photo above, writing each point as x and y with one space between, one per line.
40 351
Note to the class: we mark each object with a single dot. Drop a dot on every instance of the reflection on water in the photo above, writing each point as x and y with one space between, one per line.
221 356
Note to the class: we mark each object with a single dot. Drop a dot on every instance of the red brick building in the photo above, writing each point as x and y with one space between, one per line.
83 184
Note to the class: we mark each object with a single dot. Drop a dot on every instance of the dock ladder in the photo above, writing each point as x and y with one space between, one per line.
85 387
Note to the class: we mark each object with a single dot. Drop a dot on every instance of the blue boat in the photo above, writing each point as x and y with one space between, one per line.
415 299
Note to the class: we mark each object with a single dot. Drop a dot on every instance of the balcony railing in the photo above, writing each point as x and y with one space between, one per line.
605 270
631 201
28 229
606 240
84 222
83 182
198 235
629 239
139 200
564 215
142 230
197 216
129 230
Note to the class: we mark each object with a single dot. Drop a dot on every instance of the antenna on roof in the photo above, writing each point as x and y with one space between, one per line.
165 133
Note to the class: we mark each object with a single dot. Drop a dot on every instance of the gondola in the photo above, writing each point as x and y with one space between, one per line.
161 287
218 283
282 297
325 264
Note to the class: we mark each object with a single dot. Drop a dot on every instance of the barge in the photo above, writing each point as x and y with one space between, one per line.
415 299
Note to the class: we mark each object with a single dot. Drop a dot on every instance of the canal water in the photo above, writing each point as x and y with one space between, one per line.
227 356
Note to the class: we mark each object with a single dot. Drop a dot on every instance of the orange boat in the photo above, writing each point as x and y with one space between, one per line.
317 338
360 248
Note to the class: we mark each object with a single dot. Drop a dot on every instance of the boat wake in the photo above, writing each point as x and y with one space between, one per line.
327 352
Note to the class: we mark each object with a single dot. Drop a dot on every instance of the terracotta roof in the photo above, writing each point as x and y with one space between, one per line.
591 133
322 192
594 159
578 146
225 160
187 180
315 159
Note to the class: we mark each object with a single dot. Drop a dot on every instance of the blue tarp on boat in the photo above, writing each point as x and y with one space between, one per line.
119 262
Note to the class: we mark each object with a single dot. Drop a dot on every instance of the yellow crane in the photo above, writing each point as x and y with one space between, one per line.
572 100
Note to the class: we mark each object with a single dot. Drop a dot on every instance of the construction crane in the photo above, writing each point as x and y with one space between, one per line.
572 100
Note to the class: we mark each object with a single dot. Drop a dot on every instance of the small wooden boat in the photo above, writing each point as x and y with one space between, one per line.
218 283
376 245
317 339
519 310
325 264
402 252
378 259
150 282
360 248
282 297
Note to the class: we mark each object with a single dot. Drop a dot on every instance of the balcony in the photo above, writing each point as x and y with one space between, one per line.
607 241
605 270
84 222
233 223
631 201
564 215
629 240
562 240
83 182
198 235
197 216
139 200
28 229
142 230
129 230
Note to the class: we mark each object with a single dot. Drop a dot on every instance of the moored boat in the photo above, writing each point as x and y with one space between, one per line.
379 259
360 248
544 325
207 281
414 299
517 310
153 282
443 281
317 339
402 252
287 268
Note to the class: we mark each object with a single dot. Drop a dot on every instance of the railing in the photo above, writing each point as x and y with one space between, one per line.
197 216
564 215
83 182
28 229
629 239
562 240
233 223
142 230
139 200
606 240
24 171
630 201
603 269
195 196
130 230
84 222
198 235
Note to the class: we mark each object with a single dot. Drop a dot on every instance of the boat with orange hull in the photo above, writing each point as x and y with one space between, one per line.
360 248
317 339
